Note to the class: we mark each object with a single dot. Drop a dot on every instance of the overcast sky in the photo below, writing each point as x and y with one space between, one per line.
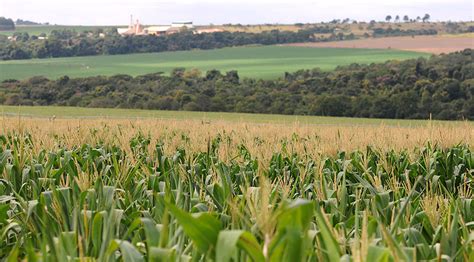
114 12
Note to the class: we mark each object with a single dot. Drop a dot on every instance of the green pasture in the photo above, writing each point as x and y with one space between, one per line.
256 61
26 112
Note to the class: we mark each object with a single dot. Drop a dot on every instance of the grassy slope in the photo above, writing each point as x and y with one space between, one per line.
260 61
76 112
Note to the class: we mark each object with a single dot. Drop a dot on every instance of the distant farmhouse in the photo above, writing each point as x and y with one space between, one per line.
138 29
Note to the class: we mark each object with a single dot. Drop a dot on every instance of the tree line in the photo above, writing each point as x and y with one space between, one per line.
441 86
383 32
67 43
28 22
407 19
6 23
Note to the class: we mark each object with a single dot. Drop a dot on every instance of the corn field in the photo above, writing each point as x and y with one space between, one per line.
139 202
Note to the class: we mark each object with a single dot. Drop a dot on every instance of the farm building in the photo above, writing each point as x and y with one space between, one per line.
158 30
133 29
138 29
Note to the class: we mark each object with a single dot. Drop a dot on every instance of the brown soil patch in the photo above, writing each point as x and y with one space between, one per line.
427 44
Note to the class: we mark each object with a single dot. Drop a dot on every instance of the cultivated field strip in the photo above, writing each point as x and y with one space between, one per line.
428 44
27 113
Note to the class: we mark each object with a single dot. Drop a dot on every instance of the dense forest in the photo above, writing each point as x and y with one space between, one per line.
68 43
441 85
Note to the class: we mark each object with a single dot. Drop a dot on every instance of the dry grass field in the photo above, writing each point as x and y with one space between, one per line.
357 29
428 44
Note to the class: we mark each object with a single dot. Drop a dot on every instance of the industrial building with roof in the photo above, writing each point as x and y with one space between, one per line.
138 29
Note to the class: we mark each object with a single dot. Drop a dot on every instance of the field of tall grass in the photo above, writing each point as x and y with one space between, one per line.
191 190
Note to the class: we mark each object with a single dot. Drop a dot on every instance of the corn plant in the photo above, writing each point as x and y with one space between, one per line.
106 203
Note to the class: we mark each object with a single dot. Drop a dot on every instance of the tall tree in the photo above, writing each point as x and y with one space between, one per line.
406 18
397 19
426 18
6 24
388 18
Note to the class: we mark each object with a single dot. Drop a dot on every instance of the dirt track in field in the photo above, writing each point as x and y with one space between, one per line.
427 44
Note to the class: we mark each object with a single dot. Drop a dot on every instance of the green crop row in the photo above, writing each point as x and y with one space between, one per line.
106 203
